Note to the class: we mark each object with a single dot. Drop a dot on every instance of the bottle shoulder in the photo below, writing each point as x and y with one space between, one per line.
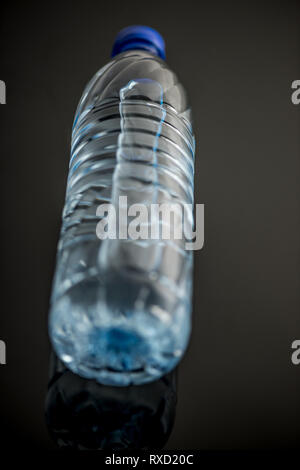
135 65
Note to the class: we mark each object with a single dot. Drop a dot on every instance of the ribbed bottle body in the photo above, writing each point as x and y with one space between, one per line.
120 307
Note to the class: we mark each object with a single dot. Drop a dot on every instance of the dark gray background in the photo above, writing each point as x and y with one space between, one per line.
237 386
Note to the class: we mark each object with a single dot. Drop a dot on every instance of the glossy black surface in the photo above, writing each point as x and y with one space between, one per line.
84 415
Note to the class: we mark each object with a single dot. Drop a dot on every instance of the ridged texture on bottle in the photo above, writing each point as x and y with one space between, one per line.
121 308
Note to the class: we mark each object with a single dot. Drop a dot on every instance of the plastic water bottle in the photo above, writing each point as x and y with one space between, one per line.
121 307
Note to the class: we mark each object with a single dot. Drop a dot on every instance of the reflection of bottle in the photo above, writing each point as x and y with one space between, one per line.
83 414
120 308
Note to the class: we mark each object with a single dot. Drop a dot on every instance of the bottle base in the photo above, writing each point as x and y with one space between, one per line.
117 357
115 343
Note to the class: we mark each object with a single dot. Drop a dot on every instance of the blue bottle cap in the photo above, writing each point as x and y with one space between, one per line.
139 37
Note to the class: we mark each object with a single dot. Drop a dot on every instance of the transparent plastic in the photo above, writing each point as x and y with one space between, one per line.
121 308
